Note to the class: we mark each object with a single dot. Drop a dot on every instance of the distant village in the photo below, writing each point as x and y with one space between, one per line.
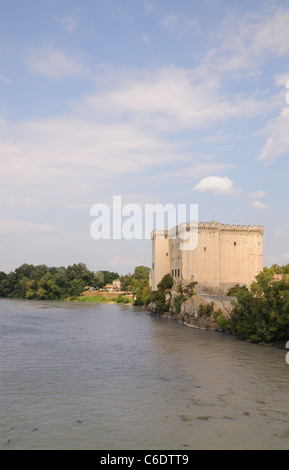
114 287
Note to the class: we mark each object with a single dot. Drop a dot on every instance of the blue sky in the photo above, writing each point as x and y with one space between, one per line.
157 101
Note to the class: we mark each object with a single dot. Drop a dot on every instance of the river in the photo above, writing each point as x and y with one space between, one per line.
105 376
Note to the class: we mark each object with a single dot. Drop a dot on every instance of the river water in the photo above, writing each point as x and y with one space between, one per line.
104 376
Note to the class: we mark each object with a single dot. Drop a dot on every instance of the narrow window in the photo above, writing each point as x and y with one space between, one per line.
235 243
178 273
205 248
172 273
167 254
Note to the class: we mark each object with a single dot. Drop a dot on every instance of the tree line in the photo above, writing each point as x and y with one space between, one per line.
59 283
51 283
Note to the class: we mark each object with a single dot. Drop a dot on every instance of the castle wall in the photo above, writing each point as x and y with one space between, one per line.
225 255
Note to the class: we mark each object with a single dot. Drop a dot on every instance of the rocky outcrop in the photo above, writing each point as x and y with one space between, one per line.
205 311
212 312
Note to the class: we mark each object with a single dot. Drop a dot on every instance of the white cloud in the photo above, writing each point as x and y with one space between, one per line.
170 20
121 131
216 184
198 168
53 63
277 143
5 79
278 233
245 43
281 79
257 194
260 205
46 227
148 6
271 35
285 255
72 159
67 23
8 225
117 133
171 98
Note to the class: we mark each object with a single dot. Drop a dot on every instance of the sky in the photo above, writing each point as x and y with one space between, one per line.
152 101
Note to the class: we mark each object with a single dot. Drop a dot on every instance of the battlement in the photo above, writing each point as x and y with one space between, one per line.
213 226
230 228
159 234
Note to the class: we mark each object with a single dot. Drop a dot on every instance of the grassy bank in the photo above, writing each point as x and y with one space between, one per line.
105 297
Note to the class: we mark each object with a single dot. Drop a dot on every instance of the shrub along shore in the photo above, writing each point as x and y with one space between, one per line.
258 314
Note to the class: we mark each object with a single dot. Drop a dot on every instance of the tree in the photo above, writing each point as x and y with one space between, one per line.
141 273
109 277
189 290
98 280
4 286
126 283
166 283
159 298
262 313
75 287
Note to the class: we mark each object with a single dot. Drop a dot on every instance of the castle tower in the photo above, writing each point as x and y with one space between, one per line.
225 255
160 256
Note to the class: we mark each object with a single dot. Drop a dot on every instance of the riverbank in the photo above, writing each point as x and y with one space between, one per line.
208 312
105 297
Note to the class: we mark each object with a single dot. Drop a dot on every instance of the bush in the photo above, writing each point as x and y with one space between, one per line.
178 301
223 322
235 289
206 309
159 298
167 282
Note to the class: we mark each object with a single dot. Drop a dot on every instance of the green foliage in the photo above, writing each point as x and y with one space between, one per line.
126 282
141 273
262 313
178 301
109 277
166 283
233 290
138 284
159 297
46 283
206 309
223 322
121 299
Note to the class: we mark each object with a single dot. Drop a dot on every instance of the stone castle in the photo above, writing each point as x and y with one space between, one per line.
225 255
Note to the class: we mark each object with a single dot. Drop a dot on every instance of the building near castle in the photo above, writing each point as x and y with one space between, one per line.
225 255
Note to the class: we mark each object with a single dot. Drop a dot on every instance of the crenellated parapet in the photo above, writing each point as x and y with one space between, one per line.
230 228
206 226
159 234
